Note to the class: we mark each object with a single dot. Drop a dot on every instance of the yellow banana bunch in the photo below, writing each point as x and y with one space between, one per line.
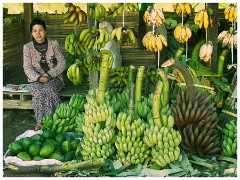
154 42
182 33
185 8
202 19
153 16
97 11
76 72
122 35
205 52
74 15
228 37
118 8
230 13
103 38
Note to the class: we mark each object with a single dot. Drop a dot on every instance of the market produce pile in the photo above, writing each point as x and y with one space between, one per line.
156 116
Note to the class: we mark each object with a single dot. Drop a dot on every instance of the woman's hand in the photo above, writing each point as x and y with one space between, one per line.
43 79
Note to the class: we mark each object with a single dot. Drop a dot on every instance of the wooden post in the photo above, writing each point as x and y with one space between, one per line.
28 16
212 36
93 75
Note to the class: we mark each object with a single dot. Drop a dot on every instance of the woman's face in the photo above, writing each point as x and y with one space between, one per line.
38 33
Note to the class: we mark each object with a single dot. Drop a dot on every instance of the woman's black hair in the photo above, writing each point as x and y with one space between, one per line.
39 22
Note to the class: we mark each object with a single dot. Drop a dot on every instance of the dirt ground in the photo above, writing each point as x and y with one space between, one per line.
22 121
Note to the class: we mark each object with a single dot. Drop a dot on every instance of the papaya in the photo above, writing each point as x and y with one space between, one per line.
57 156
27 141
24 156
48 134
15 147
47 150
34 149
37 158
69 156
37 137
60 138
74 143
66 146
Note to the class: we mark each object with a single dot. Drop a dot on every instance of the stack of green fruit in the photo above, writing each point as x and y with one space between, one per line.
77 101
229 145
98 128
73 46
119 101
45 146
118 78
129 143
142 108
76 72
79 123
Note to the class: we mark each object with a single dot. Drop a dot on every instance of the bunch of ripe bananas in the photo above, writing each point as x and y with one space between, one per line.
118 8
166 148
228 37
97 141
122 35
198 121
74 15
97 11
185 8
63 119
204 18
93 38
96 136
76 72
119 101
130 147
93 60
182 33
230 13
153 17
72 45
229 145
77 101
154 42
205 52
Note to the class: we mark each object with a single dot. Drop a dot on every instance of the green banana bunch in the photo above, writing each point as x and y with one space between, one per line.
77 101
118 78
74 15
229 144
79 124
73 46
98 127
97 11
123 34
118 8
46 122
119 101
142 109
70 59
164 143
76 72
129 144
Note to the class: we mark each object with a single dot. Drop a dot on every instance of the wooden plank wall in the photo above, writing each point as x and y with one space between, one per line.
13 40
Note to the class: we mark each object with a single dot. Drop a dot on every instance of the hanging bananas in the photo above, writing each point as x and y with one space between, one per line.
182 33
154 42
74 15
185 8
122 35
97 11
230 13
93 38
76 72
153 16
203 18
228 37
205 52
118 8
73 46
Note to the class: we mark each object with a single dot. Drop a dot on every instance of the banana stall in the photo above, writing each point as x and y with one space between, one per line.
151 91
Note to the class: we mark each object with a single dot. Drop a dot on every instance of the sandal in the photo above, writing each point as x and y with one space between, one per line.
38 126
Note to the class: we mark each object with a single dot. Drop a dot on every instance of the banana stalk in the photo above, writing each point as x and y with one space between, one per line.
156 102
221 61
186 74
139 79
165 81
131 99
103 78
131 75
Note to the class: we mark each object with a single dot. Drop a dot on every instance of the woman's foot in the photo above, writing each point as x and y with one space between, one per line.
38 126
